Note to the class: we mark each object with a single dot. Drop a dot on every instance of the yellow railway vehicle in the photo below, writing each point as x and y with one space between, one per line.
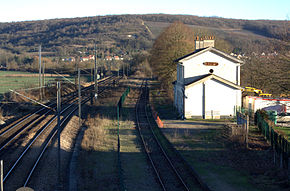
257 91
265 95
251 89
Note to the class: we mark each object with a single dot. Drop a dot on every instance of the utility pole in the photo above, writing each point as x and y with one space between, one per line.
96 74
127 69
43 76
118 68
40 82
80 97
110 64
102 65
123 69
58 130
92 92
247 130
76 70
1 179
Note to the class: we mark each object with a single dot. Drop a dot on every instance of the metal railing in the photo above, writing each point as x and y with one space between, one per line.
278 142
119 108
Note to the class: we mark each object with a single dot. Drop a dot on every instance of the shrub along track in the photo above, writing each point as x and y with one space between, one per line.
171 171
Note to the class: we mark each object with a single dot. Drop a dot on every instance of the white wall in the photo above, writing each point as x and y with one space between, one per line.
225 69
193 101
221 98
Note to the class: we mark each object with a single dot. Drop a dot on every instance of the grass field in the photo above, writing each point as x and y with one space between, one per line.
22 80
285 131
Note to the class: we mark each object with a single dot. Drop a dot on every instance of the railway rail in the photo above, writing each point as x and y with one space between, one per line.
172 172
23 143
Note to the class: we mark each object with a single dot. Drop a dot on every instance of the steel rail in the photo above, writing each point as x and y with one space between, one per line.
38 111
51 137
17 134
26 118
160 146
44 128
157 145
20 122
46 145
33 140
144 144
29 125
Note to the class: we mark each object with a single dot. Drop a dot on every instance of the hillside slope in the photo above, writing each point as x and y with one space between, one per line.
265 44
133 31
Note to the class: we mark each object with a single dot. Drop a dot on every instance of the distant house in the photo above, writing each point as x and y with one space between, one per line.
208 82
108 58
69 59
87 58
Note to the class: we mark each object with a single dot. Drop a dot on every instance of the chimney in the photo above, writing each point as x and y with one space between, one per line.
204 42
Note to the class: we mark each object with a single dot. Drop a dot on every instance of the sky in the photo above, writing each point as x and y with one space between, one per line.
25 10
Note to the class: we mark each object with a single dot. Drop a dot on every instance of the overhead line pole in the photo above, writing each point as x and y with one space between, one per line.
80 98
96 74
43 79
102 64
58 131
2 175
123 69
40 82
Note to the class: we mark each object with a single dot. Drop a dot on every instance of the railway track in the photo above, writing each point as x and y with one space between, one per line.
23 143
172 172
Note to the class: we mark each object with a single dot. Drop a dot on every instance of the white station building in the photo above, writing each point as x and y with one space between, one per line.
208 83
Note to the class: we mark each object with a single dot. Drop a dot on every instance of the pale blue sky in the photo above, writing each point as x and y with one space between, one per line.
22 10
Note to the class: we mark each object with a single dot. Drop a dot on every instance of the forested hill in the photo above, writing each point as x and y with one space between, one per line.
263 44
136 32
